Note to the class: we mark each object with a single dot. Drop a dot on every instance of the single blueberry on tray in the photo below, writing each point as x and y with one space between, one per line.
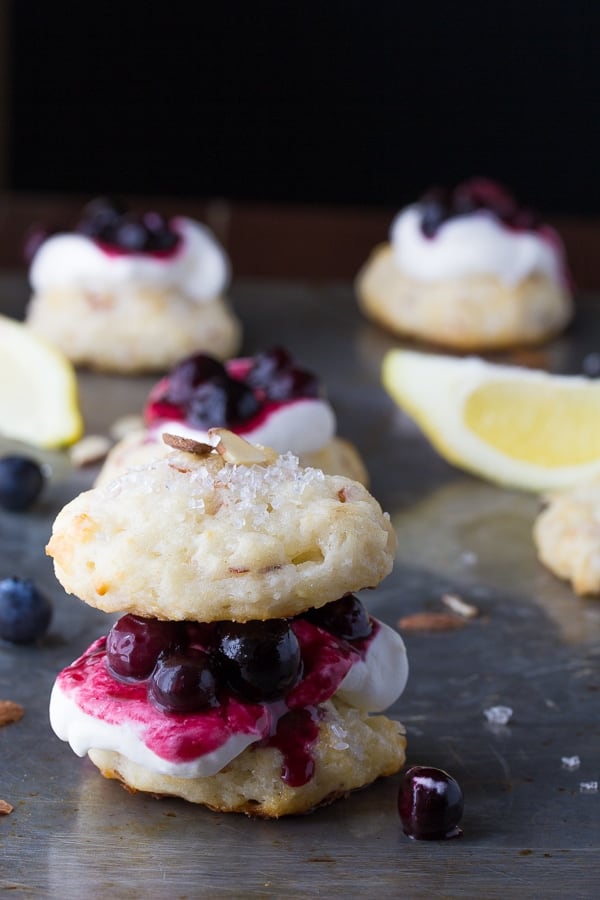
25 612
21 482
430 803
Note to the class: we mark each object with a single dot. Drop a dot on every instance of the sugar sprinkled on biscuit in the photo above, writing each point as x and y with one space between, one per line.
198 537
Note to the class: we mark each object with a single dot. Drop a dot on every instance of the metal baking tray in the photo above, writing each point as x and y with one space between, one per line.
529 828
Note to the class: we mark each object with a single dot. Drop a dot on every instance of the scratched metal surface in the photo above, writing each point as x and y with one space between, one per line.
528 829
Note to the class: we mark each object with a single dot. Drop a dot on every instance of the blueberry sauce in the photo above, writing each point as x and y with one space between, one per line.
240 394
440 205
297 732
118 231
186 707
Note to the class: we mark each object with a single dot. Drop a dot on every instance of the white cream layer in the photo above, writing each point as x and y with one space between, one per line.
199 268
376 682
372 685
301 426
477 244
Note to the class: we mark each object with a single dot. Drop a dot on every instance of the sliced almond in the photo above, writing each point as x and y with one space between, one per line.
188 444
10 712
91 449
460 606
234 449
5 808
431 621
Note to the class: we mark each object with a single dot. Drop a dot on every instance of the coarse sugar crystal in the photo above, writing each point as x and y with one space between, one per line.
498 715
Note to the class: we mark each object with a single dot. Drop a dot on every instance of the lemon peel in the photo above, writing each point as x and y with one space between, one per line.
39 402
517 427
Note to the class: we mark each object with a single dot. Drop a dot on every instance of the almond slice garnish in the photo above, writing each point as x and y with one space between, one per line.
10 712
234 449
188 444
91 449
460 606
431 621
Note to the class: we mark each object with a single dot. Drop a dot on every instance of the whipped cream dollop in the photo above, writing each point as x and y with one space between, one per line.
84 732
298 426
198 267
374 681
474 244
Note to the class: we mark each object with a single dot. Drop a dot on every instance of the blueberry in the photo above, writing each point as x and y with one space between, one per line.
183 682
259 660
130 234
134 644
221 402
25 612
188 375
346 618
208 405
277 378
100 216
430 804
436 209
21 482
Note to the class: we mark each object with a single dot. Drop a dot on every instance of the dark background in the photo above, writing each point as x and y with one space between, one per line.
362 103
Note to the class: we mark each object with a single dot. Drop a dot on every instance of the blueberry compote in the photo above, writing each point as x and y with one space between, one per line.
430 803
239 395
438 205
119 230
190 687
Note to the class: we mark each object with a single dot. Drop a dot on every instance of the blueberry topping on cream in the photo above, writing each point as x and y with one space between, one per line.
439 205
109 222
205 393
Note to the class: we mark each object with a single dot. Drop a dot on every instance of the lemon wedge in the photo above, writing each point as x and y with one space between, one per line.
518 427
39 402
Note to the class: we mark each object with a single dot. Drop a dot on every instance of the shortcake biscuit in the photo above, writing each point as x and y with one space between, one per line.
352 750
192 537
129 293
469 313
470 270
244 673
567 536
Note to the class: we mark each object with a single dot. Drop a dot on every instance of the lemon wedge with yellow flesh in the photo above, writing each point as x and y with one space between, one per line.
519 427
39 402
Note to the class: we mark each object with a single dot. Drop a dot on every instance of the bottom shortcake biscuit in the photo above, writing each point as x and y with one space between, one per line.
352 750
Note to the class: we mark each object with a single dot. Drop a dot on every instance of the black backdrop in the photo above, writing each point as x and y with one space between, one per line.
345 102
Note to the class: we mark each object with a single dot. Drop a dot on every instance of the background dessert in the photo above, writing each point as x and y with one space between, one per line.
268 399
469 269
126 292
567 535
244 668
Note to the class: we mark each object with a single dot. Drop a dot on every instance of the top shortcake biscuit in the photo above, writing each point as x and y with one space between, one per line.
235 532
